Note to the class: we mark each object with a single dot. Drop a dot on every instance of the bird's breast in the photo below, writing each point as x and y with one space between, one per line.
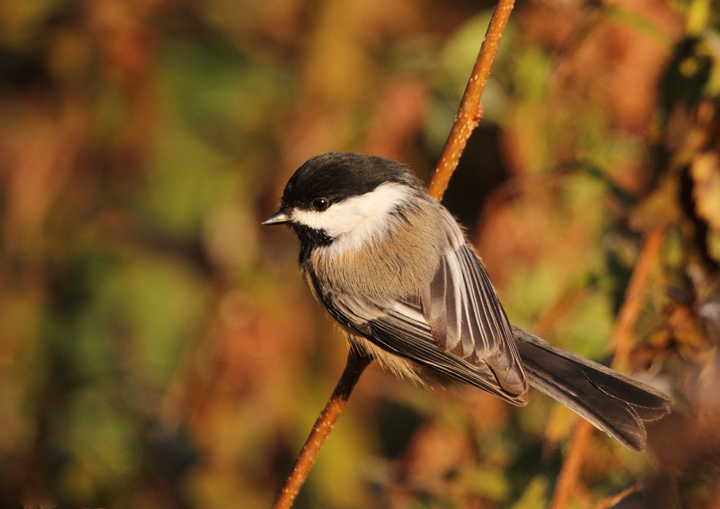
397 264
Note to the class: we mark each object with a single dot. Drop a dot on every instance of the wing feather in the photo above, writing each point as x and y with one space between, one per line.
466 317
401 329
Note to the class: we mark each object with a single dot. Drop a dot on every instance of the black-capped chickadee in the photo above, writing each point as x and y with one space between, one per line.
394 268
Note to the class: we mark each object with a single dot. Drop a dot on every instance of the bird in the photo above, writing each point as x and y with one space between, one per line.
395 270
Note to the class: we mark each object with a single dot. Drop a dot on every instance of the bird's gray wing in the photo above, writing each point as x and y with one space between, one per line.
401 329
466 317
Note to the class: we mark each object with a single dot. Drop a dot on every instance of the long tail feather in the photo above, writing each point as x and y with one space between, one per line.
614 403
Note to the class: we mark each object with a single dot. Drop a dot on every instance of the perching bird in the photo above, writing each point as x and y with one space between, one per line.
395 269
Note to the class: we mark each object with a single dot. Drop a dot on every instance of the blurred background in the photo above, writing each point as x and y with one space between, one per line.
158 348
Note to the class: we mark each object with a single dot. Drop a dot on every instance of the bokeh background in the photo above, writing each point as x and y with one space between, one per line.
158 348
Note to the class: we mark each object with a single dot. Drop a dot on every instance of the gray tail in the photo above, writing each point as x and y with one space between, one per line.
614 403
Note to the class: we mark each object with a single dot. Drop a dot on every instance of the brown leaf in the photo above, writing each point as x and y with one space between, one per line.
705 172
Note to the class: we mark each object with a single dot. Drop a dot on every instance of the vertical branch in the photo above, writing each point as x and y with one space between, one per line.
621 346
470 111
466 121
571 466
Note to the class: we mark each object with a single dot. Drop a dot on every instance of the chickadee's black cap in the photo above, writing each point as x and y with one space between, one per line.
340 175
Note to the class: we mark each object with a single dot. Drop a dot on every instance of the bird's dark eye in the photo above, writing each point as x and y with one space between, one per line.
320 204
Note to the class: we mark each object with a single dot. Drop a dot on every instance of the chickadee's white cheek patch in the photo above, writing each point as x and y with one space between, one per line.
362 216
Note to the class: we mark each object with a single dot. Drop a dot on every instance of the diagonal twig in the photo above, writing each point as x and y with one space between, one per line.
356 364
621 345
466 121
609 502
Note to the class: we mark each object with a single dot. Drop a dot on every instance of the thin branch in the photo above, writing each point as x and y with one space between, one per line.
614 499
572 465
622 340
621 345
466 121
356 364
470 111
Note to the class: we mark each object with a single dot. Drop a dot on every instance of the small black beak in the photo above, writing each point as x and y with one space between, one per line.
279 217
